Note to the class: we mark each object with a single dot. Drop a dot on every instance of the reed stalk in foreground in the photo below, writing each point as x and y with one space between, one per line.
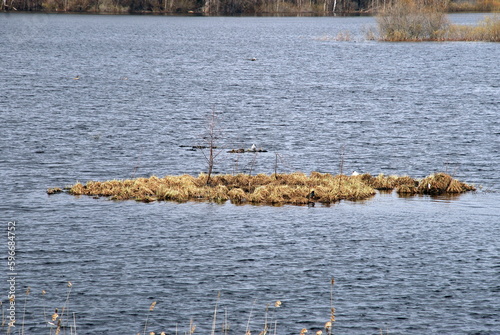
44 305
58 319
214 322
332 309
247 330
277 305
192 327
151 308
66 302
225 325
3 317
28 290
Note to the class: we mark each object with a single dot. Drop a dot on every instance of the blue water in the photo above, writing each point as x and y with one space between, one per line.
145 88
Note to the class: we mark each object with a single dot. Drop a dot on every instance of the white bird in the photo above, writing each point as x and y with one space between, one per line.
354 173
253 148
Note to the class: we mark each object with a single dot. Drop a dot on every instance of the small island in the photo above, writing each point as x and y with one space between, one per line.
275 189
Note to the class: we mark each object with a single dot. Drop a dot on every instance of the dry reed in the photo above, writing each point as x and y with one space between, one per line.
410 20
487 30
59 321
440 183
332 309
151 308
482 6
295 188
58 324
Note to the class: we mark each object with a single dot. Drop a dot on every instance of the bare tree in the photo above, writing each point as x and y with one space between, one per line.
211 137
279 159
342 159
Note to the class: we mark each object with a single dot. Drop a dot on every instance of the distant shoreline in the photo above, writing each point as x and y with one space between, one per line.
328 8
197 14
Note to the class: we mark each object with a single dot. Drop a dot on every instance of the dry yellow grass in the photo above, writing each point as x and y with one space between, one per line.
487 30
440 183
295 188
411 20
474 6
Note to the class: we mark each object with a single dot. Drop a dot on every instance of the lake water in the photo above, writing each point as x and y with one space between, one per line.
143 90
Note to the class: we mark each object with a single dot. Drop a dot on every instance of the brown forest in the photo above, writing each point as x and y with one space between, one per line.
227 7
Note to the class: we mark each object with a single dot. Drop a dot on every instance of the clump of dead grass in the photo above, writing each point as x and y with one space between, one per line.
276 189
440 183
382 182
54 190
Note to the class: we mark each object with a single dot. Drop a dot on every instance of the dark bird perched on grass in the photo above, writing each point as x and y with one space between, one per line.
311 196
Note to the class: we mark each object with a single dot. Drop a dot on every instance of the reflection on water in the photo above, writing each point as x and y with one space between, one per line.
445 197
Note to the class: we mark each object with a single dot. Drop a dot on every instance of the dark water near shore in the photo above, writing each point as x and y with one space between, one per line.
415 265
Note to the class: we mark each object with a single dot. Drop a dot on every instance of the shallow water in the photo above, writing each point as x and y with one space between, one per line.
145 87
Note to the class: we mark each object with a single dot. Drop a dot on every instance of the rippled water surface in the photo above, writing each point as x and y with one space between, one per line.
87 97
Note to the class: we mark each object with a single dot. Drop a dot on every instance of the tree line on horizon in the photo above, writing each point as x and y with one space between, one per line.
226 7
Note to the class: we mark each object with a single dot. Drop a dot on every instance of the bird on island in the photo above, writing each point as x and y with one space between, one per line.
354 173
253 148
311 195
